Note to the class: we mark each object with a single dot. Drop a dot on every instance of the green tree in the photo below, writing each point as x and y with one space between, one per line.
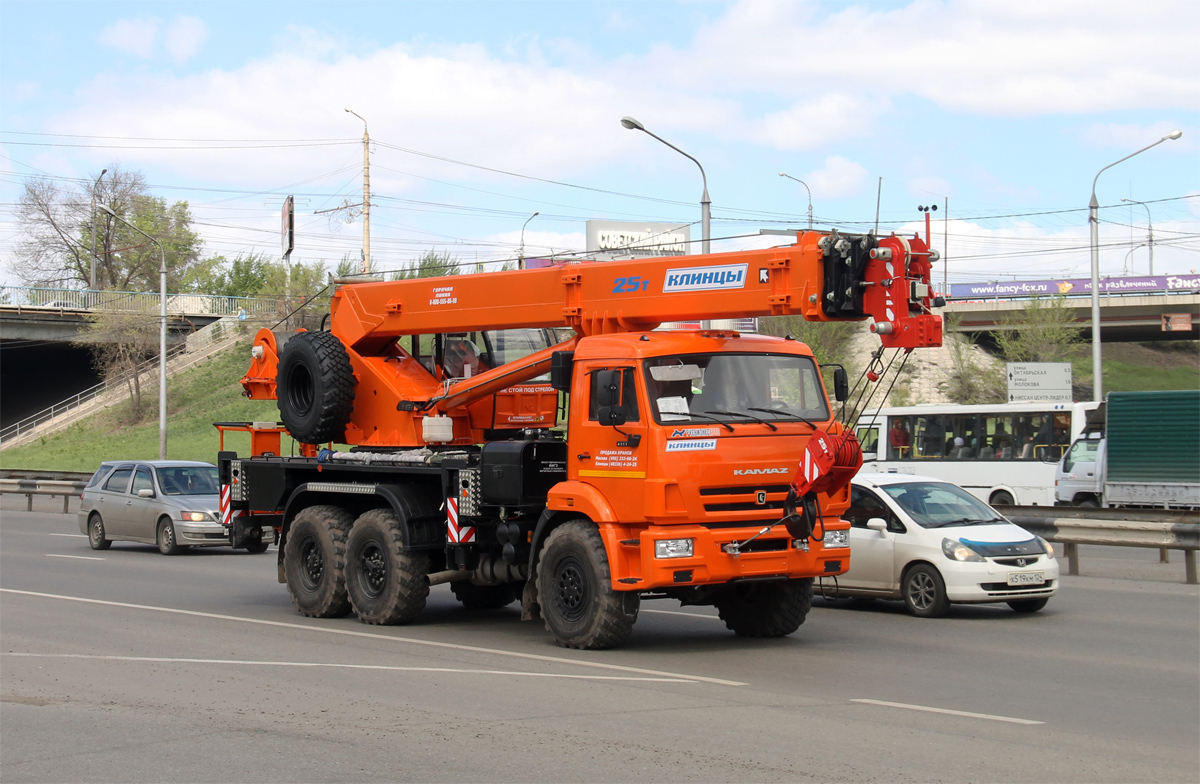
1044 330
55 224
431 265
827 339
968 381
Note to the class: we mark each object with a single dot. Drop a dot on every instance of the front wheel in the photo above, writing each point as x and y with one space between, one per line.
574 584
96 536
1028 605
167 544
925 592
386 584
766 609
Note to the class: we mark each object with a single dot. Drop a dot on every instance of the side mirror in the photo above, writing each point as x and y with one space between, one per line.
612 416
841 385
608 388
145 493
562 363
877 524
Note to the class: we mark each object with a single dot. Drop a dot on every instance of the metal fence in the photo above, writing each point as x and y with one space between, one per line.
140 301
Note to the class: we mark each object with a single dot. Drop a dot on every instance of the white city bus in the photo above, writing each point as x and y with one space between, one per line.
1003 454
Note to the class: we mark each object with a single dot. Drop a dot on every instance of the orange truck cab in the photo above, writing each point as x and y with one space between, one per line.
604 463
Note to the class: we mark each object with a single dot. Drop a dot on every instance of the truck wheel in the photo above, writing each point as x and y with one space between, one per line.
96 536
315 387
574 583
386 584
1088 503
257 546
485 597
314 561
766 609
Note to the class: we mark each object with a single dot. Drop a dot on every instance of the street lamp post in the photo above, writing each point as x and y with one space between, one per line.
521 257
705 204
95 187
1094 220
162 332
1150 225
805 184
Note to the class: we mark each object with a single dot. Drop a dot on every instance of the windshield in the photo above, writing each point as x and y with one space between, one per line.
731 387
940 505
188 480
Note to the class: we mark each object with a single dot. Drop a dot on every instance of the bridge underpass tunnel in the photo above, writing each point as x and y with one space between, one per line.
36 374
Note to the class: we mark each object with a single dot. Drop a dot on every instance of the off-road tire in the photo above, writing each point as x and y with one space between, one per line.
96 536
315 387
924 592
766 609
257 546
314 561
575 592
165 537
386 584
1028 605
485 597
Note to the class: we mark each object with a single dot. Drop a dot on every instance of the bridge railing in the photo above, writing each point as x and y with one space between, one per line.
142 301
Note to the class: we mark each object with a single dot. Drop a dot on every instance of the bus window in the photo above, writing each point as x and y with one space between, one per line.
961 439
998 430
869 438
900 439
930 436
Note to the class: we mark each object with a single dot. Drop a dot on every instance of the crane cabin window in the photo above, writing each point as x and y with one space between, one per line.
732 387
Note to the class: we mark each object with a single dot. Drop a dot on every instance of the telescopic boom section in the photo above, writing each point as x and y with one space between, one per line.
823 277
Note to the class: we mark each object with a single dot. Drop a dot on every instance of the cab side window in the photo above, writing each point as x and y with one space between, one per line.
119 481
865 505
142 480
628 395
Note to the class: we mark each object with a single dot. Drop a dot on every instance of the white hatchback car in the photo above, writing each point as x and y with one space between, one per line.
931 543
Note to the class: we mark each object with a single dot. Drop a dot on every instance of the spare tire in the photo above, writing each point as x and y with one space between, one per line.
314 387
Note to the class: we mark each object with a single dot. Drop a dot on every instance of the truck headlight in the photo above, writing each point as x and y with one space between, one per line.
196 517
957 551
837 539
673 548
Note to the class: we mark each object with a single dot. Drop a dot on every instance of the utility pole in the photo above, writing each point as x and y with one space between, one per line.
366 248
92 277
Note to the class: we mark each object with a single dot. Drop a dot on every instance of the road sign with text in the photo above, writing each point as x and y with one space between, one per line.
1039 381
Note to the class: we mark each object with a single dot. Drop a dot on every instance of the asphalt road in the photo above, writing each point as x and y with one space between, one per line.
125 665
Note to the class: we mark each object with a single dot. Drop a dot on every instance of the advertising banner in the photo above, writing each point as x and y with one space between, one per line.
1152 284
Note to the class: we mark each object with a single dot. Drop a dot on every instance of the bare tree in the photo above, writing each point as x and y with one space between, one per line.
120 341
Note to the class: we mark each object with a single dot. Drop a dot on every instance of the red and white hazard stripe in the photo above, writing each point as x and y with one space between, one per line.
224 504
455 533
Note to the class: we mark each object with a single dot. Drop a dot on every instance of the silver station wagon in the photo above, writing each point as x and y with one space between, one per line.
172 503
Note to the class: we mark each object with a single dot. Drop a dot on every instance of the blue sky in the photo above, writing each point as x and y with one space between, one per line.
483 113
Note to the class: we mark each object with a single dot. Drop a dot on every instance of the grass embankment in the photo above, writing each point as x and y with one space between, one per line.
196 398
1142 367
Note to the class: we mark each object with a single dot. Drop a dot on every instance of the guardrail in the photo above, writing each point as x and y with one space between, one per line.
1166 529
51 487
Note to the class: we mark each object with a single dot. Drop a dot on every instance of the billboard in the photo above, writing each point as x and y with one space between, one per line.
1074 286
637 239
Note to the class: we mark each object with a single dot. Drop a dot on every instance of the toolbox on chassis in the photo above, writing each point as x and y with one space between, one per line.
701 465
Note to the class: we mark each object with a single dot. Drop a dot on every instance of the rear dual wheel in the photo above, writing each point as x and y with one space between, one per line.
386 585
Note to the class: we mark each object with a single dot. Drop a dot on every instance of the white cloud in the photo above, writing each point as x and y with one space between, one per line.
809 124
840 177
134 36
185 37
1013 58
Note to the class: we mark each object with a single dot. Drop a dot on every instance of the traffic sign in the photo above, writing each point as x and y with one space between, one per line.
1039 381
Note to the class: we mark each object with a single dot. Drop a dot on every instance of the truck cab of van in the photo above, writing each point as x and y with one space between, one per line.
1079 479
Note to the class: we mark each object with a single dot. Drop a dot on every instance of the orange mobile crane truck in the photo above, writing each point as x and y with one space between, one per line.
702 465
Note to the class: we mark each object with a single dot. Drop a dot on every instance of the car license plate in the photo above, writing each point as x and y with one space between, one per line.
1026 578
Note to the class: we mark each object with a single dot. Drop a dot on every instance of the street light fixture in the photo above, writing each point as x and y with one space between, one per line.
1150 224
805 184
705 204
162 332
521 257
1094 220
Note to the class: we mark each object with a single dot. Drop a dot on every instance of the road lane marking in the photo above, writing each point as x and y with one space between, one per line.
969 715
384 638
80 536
80 557
169 660
685 614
